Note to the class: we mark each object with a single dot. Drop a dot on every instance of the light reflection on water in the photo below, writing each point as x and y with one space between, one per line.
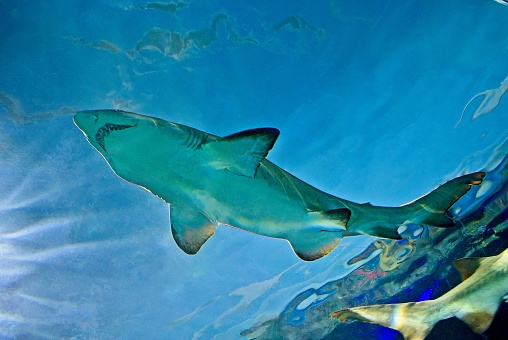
366 109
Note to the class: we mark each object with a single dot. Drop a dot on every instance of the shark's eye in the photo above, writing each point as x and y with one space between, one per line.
106 129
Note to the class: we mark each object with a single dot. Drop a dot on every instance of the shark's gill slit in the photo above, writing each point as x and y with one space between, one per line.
194 139
106 129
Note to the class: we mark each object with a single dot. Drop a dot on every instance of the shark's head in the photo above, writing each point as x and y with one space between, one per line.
122 137
99 125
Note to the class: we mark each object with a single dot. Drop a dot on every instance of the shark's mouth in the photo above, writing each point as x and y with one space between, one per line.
106 129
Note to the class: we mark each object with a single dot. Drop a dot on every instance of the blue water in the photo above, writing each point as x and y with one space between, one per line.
366 95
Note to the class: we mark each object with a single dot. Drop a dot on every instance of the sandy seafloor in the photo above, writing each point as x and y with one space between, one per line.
368 97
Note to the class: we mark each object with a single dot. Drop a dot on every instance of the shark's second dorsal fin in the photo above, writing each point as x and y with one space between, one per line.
242 152
190 228
467 266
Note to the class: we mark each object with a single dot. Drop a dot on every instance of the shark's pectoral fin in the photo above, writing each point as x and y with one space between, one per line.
242 152
190 227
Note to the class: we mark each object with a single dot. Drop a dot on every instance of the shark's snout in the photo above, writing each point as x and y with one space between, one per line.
86 121
92 121
97 125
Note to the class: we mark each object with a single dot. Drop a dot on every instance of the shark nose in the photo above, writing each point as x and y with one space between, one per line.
83 118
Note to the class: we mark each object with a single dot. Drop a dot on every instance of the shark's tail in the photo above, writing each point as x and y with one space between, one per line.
432 208
414 320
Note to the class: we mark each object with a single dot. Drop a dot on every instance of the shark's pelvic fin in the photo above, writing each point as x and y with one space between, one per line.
242 152
314 244
190 228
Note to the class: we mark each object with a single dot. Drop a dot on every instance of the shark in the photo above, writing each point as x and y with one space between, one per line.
475 301
209 180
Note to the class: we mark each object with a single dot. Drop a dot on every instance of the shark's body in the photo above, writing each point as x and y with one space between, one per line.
475 301
209 180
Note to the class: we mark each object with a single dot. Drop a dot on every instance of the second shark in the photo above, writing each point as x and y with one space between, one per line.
475 301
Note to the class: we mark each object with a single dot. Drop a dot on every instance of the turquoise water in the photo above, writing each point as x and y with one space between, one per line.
367 96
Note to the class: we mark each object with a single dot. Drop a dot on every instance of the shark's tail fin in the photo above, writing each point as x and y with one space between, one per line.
431 209
414 320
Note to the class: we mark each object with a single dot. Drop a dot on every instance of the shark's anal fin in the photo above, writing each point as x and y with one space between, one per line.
242 152
311 245
190 228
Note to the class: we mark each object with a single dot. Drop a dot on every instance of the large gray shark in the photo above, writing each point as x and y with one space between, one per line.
475 301
209 180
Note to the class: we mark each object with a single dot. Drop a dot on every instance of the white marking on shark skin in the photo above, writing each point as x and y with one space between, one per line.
502 2
429 209
397 317
209 180
491 100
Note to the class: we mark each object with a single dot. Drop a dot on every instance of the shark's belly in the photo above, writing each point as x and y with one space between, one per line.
250 204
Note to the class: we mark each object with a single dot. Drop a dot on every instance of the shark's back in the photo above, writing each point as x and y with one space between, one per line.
296 189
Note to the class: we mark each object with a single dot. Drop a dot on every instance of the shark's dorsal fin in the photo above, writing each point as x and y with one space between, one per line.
190 228
467 266
242 152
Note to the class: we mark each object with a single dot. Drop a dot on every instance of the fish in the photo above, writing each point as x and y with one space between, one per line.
491 97
475 301
209 180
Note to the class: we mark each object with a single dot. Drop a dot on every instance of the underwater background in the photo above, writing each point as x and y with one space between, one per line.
368 97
